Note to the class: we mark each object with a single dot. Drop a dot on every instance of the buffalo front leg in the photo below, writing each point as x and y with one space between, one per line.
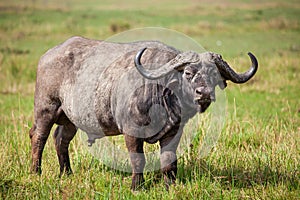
137 158
168 159
62 137
168 162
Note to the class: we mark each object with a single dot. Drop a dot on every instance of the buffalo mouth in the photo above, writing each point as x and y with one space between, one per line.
202 104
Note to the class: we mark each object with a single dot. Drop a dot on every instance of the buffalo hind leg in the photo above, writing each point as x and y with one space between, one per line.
137 158
62 137
38 135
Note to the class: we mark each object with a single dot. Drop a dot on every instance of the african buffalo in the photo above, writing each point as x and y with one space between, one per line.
76 87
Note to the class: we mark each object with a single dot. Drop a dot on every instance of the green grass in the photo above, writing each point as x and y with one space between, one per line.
257 155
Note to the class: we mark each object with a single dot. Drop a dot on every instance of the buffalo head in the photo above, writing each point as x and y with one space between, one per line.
199 74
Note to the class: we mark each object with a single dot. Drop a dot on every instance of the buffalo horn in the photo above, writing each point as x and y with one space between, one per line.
229 74
174 64
151 74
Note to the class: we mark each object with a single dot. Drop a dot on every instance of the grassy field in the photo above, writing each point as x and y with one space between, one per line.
258 153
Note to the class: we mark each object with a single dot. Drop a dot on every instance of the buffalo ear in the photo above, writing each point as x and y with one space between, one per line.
222 84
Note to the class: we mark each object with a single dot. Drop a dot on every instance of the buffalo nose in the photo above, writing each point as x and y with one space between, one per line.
198 91
203 93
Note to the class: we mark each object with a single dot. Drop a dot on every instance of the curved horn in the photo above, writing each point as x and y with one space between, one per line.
173 64
228 73
153 74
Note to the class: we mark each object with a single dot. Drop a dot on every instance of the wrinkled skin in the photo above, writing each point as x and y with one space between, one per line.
76 88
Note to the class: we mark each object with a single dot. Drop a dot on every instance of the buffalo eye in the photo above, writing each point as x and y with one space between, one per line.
188 74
